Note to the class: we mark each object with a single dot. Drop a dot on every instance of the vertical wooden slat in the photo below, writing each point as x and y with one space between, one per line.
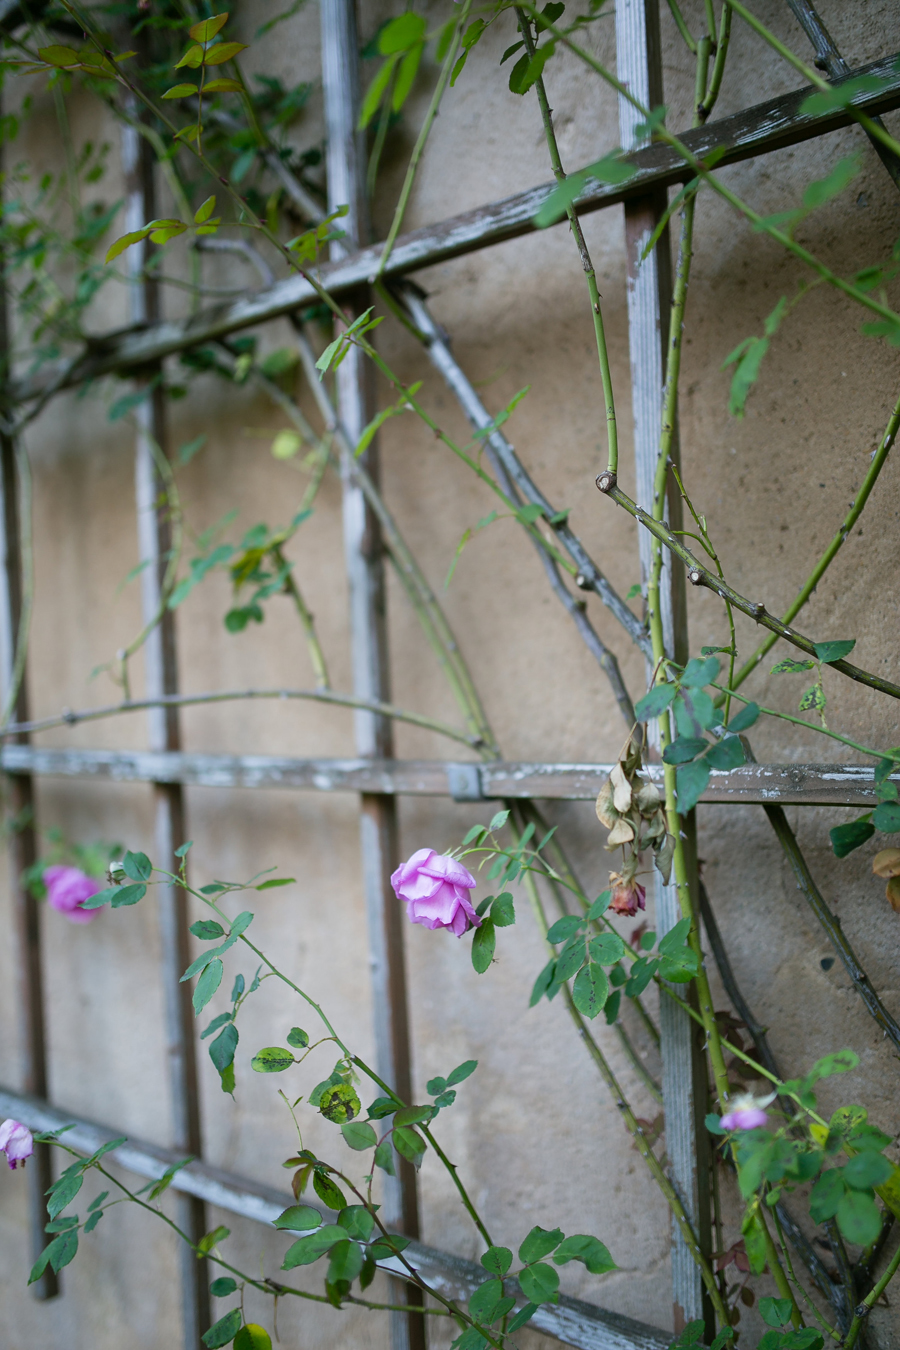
161 677
649 299
20 816
365 572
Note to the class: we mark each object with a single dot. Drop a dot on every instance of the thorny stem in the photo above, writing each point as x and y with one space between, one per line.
354 1059
587 264
699 575
265 1286
420 594
418 148
874 129
70 718
682 27
510 471
831 924
632 1124
654 608
708 545
869 1302
715 84
879 460
317 656
635 1130
776 1269
758 221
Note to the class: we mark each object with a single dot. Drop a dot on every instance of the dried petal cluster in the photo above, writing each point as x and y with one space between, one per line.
632 809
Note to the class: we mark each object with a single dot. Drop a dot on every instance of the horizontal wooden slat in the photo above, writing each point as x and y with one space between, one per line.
572 1321
786 784
755 131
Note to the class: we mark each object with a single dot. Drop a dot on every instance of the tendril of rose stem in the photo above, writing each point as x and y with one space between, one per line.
878 462
700 575
453 1308
679 861
418 148
70 718
812 726
813 76
758 221
637 1133
708 545
588 266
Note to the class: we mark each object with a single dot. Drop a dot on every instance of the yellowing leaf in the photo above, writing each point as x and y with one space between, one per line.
204 211
223 87
181 91
286 444
59 56
125 241
193 57
225 51
206 31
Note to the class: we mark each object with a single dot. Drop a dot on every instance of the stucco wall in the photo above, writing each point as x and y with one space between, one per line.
533 1131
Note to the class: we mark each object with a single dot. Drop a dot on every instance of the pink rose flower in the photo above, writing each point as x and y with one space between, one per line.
628 897
16 1142
436 890
67 890
747 1112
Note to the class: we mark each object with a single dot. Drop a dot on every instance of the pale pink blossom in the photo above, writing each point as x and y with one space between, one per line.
67 890
16 1142
747 1112
436 891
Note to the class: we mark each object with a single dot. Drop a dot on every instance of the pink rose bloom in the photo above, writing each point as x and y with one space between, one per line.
747 1112
16 1142
436 890
67 890
628 897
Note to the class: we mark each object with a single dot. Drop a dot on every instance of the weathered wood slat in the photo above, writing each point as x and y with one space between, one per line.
571 1321
755 131
163 726
786 784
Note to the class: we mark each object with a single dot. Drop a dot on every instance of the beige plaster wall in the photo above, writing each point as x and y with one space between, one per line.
533 1131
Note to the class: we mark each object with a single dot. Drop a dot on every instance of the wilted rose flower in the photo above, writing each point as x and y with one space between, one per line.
67 890
436 890
628 895
747 1113
16 1142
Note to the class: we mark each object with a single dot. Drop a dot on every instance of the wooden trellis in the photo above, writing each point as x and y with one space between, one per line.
375 774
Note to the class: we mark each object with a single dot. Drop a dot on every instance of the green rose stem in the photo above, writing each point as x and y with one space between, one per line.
265 1286
878 462
699 575
632 1125
874 129
70 718
419 593
316 655
811 726
419 147
354 1059
759 222
869 1302
637 1063
654 617
705 107
587 264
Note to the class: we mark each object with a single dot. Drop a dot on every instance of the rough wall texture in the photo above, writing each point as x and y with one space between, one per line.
533 1131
